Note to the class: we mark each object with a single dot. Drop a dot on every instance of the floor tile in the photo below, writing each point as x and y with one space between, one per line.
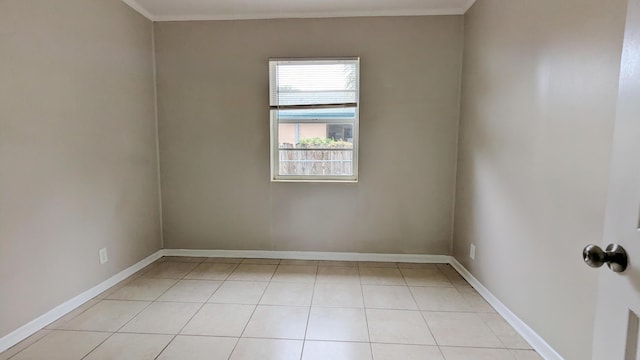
219 320
507 335
211 271
63 345
451 273
425 266
253 272
405 352
199 348
461 353
377 264
261 261
295 273
267 349
461 329
324 263
278 322
398 327
224 260
388 297
24 344
340 324
170 270
239 292
70 315
425 277
440 299
338 275
142 289
190 259
162 318
475 300
299 262
190 291
107 315
324 350
381 276
296 294
323 301
526 355
338 295
460 284
130 347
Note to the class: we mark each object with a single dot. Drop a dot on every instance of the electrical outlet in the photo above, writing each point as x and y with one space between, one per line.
103 255
472 252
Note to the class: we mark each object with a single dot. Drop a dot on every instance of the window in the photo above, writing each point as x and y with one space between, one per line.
314 119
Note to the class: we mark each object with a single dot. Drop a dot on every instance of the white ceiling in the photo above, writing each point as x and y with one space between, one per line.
171 10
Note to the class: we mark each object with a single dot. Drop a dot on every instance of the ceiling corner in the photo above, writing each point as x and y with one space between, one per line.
468 6
140 9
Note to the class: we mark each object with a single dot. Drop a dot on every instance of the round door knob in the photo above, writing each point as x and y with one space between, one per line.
614 256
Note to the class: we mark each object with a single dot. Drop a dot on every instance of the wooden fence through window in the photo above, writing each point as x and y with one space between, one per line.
316 162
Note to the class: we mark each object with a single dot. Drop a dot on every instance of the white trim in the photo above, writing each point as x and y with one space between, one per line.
312 15
135 5
59 311
468 6
310 255
537 343
140 9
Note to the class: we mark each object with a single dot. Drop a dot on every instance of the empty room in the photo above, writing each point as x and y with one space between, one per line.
319 179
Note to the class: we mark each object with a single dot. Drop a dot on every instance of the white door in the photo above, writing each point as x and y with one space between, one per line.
616 327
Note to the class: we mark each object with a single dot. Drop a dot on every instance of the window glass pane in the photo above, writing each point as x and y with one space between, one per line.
315 149
326 115
315 136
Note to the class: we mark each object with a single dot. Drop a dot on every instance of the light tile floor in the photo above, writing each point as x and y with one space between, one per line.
238 309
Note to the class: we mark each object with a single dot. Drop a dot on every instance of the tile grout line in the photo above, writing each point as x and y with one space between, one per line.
422 314
306 328
364 309
194 314
134 316
254 309
157 262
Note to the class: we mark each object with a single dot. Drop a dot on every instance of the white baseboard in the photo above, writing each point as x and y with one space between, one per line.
536 342
310 255
59 311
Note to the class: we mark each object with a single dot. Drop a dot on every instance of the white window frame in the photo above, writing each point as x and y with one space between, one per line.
274 143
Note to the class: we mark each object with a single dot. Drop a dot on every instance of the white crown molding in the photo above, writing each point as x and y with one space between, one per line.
134 4
59 311
140 9
310 15
537 343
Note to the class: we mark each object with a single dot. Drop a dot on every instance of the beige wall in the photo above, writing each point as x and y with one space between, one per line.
538 105
78 168
214 136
